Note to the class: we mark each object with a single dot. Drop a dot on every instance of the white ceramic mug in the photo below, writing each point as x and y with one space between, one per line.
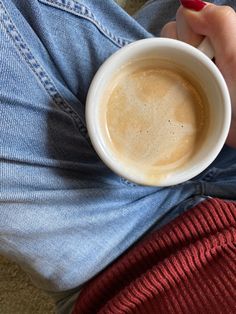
194 62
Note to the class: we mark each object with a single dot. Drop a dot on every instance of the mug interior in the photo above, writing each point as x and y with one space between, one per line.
195 64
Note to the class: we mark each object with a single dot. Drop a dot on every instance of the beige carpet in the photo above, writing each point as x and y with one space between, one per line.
17 294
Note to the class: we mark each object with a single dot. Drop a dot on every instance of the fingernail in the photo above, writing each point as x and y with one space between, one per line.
196 5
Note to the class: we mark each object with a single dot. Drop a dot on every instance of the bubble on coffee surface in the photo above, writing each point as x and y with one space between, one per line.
154 118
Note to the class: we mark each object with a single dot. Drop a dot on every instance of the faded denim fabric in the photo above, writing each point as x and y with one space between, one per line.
64 216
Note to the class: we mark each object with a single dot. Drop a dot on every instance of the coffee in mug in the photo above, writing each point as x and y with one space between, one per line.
155 116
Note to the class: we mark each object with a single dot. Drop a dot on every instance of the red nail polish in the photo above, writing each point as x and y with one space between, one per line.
196 5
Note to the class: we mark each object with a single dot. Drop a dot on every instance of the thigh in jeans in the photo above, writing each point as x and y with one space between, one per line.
64 215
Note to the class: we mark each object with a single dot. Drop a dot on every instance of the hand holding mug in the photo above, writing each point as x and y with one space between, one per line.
218 24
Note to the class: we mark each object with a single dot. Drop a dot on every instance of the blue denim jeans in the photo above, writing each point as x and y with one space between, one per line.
64 216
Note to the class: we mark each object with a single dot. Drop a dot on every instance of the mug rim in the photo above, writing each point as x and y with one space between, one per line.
91 102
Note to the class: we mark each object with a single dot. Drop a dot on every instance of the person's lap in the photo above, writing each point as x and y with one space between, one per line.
64 215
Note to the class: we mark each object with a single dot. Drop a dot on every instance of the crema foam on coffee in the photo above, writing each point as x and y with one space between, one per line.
154 116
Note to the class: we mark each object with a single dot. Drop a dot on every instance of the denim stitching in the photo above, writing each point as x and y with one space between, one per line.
127 182
210 175
38 70
82 11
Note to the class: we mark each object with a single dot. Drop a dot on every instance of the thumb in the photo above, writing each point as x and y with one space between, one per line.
218 23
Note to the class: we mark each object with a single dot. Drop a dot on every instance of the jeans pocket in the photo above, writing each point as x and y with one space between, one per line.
82 11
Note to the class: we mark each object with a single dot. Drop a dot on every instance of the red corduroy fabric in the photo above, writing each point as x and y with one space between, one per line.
189 266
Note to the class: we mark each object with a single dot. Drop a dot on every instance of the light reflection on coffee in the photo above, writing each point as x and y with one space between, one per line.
155 117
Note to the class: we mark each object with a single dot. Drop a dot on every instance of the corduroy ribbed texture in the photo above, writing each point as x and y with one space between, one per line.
189 266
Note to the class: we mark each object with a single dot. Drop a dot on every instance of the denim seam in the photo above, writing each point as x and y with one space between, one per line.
210 175
127 182
38 70
215 172
82 11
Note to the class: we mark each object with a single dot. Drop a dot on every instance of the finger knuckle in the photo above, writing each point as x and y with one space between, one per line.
169 29
227 11
221 17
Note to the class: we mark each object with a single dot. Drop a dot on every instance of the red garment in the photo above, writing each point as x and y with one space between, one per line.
189 266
